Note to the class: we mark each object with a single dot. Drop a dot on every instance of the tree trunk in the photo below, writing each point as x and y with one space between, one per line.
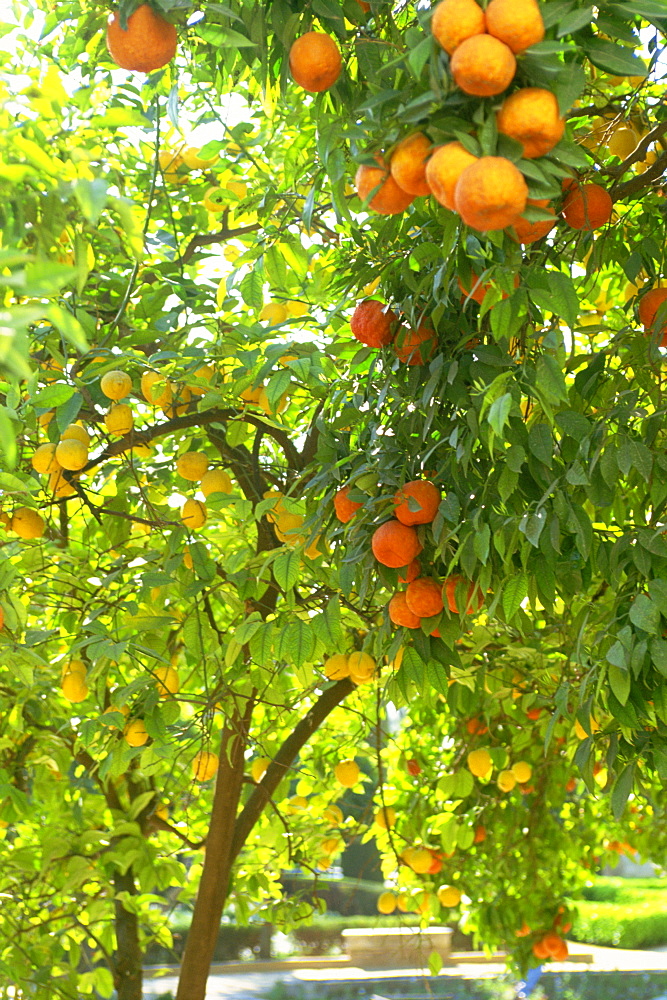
228 833
128 959
214 884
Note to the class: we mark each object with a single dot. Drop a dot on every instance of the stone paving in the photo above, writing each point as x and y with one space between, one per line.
235 983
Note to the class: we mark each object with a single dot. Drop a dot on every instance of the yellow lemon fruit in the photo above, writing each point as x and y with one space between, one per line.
215 481
333 815
73 667
622 141
402 902
193 514
417 858
449 895
205 374
506 781
204 765
71 454
480 763
336 667
162 812
215 199
252 395
274 313
156 389
192 159
361 667
44 419
122 709
347 773
192 465
74 687
135 733
59 486
581 733
27 523
296 804
119 419
77 433
279 407
258 767
116 384
44 459
386 902
237 188
385 817
168 681
522 771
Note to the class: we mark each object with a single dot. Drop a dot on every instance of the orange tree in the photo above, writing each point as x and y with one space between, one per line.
209 590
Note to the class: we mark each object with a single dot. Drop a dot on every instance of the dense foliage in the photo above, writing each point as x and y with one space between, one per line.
198 230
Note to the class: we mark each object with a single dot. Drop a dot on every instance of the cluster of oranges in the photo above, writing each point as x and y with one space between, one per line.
375 325
396 544
488 192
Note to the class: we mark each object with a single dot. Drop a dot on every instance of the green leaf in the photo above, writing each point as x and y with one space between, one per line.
621 790
296 642
434 963
540 443
657 588
515 592
53 395
327 626
613 58
551 378
286 569
619 681
645 614
499 412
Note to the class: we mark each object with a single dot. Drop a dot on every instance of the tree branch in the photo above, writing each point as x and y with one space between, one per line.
284 759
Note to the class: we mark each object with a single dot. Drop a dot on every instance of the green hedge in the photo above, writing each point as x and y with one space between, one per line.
622 913
620 925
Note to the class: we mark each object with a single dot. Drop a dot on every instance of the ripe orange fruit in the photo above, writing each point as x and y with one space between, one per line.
373 323
389 199
315 61
443 170
490 194
149 42
408 344
531 116
587 207
552 943
539 951
455 20
517 23
424 597
480 835
479 290
474 597
408 163
427 496
525 232
345 509
649 304
483 66
395 544
411 573
400 613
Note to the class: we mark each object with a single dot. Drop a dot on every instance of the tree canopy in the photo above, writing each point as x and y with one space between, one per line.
205 423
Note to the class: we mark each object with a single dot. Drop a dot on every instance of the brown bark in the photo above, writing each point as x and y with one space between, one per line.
214 883
228 833
128 958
